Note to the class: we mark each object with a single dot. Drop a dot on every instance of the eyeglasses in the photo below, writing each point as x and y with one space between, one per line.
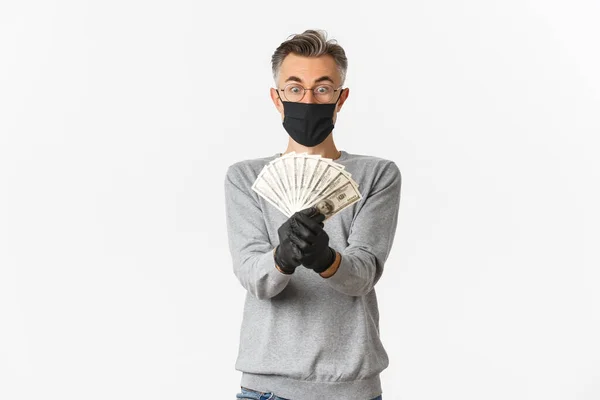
295 93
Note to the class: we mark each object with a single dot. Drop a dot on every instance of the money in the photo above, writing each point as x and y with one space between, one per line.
337 200
296 181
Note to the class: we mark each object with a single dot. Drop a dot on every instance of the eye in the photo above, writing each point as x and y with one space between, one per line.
323 89
295 89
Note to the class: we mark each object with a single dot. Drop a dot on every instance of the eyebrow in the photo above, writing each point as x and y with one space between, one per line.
321 79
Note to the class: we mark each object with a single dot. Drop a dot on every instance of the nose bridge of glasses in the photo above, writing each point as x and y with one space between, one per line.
309 96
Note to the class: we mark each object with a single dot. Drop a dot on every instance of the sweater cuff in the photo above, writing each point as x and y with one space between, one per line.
347 278
262 279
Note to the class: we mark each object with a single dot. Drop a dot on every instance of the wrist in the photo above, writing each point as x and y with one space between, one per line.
279 266
330 260
333 268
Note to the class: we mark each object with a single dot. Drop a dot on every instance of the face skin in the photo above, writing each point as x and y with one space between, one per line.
308 70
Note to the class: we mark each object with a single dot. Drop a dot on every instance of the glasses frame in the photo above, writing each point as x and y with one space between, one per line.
304 93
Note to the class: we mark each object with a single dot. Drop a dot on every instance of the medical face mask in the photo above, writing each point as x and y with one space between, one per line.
308 123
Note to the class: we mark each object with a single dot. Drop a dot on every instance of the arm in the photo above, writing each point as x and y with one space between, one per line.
249 244
358 267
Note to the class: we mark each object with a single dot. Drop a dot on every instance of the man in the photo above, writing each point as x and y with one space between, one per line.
310 326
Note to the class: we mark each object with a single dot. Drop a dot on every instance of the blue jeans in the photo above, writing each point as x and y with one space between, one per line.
252 395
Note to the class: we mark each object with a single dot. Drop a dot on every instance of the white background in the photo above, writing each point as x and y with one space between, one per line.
118 120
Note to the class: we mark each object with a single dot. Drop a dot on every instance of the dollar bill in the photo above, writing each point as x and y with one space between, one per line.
337 200
311 167
338 180
263 187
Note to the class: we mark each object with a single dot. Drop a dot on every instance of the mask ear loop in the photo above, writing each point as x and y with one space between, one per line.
338 99
280 99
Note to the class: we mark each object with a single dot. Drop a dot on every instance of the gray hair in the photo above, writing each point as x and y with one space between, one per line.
310 43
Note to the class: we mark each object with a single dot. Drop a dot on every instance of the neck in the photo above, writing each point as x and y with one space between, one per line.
325 149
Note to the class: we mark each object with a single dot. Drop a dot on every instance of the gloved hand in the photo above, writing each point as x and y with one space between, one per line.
316 255
294 236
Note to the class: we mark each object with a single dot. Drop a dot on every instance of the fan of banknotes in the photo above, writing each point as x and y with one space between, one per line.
296 181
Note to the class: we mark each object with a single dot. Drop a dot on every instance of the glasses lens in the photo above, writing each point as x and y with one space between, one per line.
293 92
323 93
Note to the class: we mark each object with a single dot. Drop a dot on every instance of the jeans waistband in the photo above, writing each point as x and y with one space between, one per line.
252 390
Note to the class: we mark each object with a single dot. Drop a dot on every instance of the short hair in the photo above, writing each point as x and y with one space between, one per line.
310 43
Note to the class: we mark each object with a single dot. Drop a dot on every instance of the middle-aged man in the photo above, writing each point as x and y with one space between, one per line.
310 327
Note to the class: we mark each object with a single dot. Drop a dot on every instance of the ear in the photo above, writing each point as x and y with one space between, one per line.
343 97
276 100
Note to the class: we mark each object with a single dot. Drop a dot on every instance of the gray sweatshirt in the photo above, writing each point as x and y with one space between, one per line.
305 337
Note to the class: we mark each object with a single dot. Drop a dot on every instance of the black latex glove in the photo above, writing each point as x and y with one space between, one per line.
295 236
316 253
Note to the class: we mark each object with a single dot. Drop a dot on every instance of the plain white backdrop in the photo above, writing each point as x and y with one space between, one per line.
118 120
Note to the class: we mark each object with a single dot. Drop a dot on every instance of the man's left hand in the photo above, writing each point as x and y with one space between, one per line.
318 256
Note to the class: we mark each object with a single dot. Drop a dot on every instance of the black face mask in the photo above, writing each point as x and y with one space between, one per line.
308 123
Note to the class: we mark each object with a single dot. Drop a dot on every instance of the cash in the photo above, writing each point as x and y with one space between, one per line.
296 181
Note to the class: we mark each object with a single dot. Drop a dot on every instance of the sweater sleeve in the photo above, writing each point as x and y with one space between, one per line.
371 236
249 244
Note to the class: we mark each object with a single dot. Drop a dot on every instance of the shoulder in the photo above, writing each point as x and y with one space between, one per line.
380 170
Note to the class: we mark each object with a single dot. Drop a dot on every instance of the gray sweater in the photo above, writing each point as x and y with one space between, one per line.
305 337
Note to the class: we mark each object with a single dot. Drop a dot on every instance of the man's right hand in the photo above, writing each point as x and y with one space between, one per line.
293 238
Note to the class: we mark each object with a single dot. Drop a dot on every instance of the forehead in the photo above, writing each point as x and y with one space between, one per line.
308 69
